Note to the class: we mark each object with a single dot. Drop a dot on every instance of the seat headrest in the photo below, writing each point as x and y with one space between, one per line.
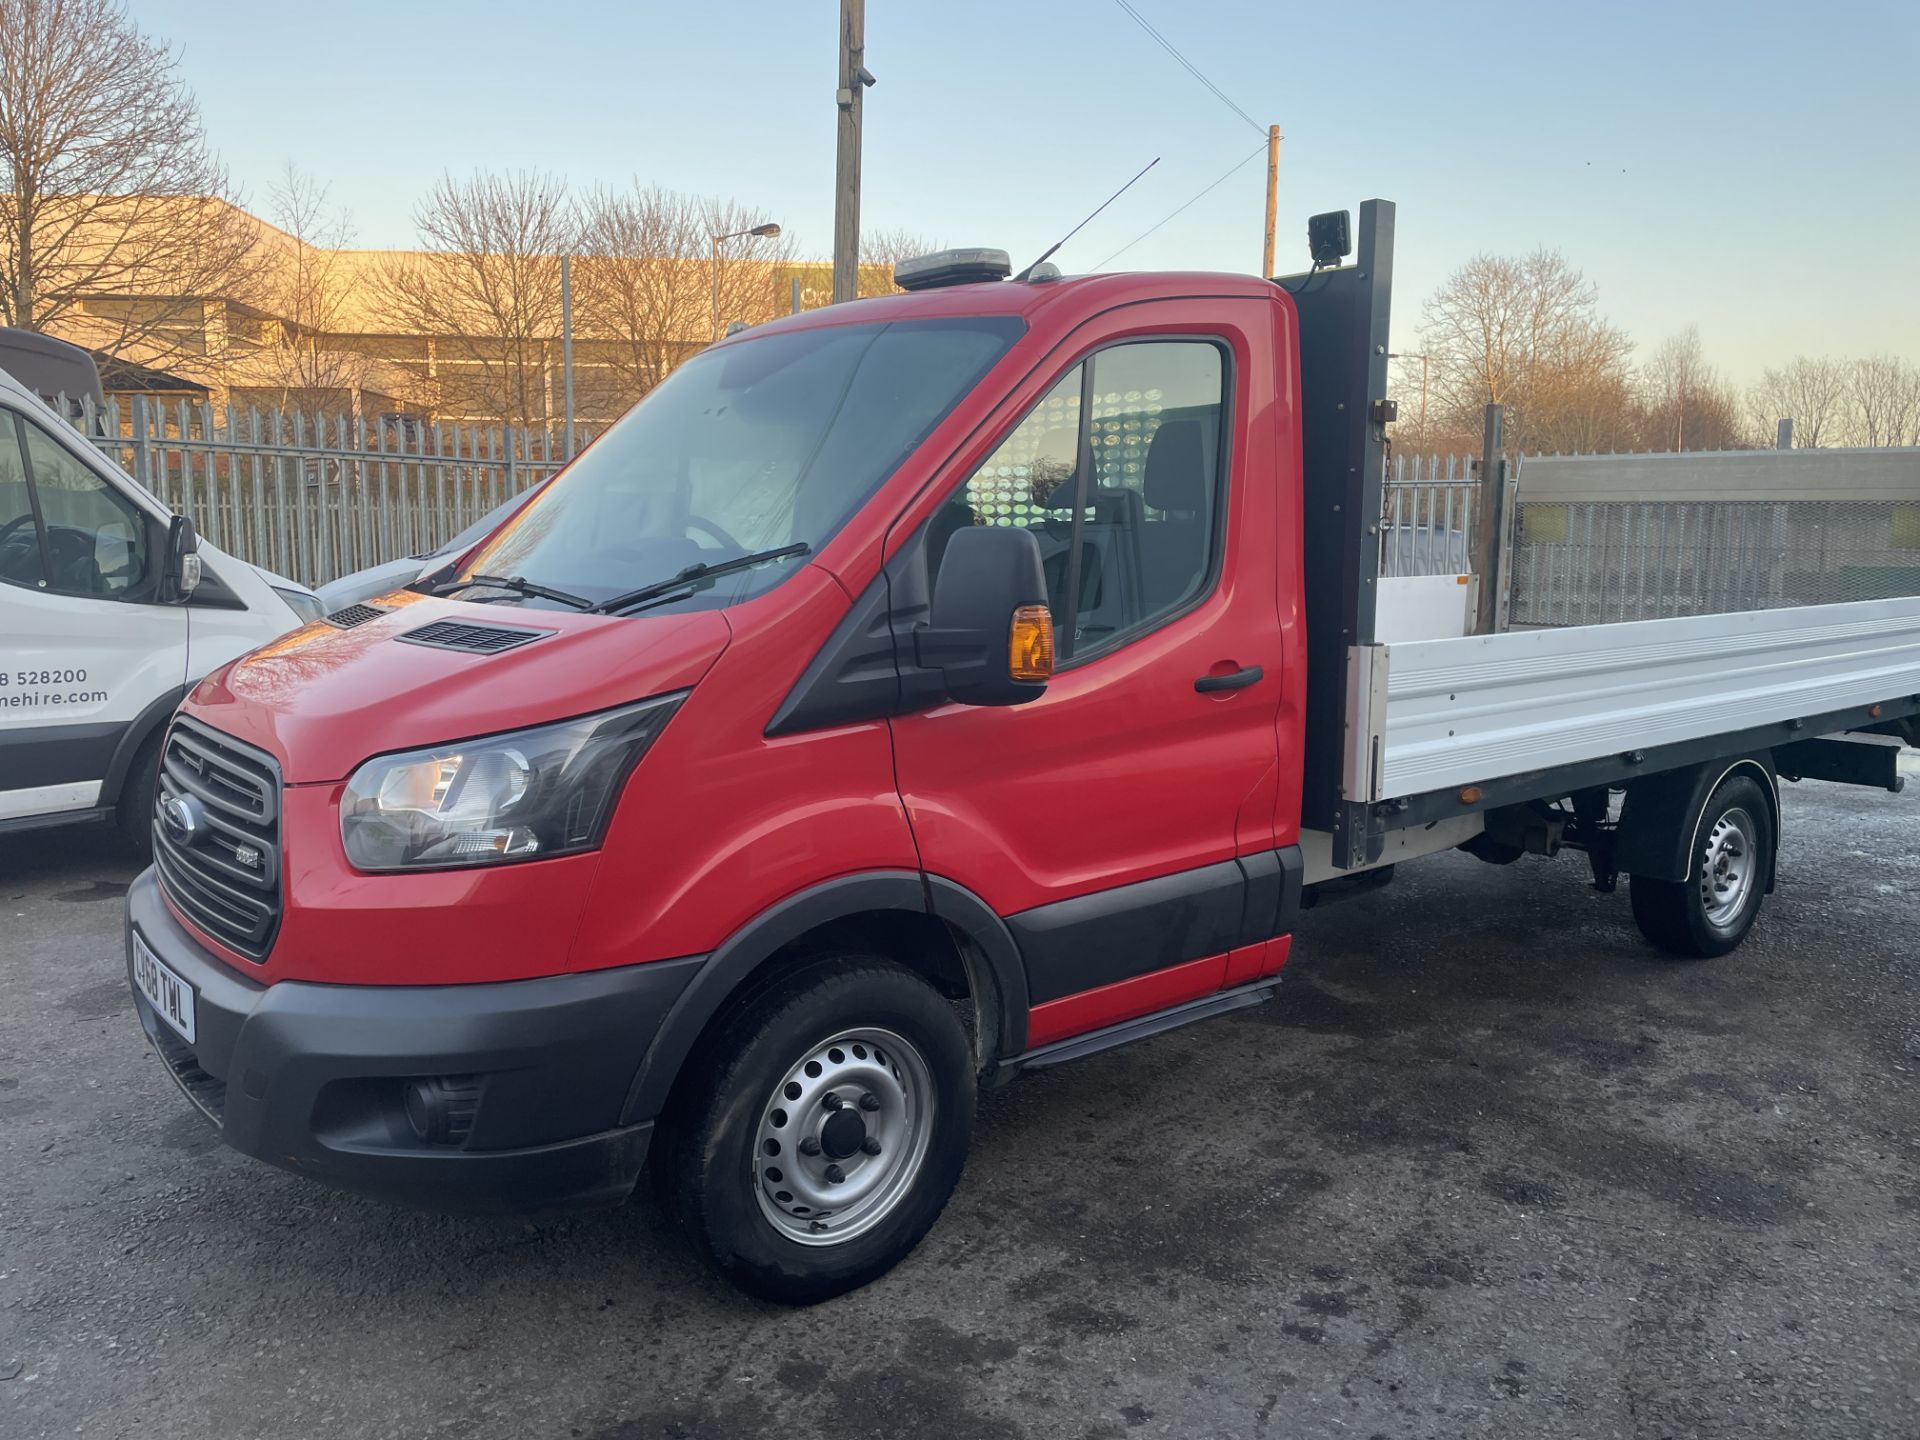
1176 476
1050 471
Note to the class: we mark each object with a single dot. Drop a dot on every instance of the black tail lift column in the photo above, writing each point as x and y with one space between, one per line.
1343 313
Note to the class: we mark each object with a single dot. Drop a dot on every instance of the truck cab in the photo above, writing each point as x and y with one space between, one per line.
904 695
109 605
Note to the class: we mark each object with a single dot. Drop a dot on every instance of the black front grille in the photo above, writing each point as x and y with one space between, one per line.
223 869
476 639
349 616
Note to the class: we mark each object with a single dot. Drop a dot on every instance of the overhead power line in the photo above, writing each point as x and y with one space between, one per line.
1236 167
1186 64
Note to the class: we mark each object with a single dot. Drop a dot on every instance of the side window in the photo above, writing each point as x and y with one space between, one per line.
21 562
1125 502
96 539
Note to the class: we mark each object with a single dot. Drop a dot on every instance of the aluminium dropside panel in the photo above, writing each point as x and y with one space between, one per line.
1478 710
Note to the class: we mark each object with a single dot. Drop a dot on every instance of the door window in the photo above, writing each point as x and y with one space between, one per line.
21 562
1029 481
1117 472
95 539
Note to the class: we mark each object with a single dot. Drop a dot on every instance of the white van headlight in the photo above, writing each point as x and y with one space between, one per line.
525 795
304 604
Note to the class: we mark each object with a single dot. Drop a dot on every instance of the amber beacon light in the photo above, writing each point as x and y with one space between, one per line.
1030 643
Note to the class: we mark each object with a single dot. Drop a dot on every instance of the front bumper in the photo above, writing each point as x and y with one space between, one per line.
528 1077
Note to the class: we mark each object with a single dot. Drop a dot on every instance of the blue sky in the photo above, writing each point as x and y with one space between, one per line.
1750 168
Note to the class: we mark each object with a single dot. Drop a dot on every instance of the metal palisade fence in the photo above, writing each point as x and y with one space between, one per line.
316 496
1427 512
1599 539
1591 539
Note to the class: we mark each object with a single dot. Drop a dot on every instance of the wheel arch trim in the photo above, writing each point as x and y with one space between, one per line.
1660 824
991 959
151 720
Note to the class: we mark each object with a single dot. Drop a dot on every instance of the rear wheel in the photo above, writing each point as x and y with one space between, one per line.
821 1133
1711 913
133 814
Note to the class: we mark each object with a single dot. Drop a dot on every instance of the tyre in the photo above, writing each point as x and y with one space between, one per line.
820 1129
1711 913
133 814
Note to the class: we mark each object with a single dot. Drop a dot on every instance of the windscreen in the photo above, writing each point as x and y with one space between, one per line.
757 445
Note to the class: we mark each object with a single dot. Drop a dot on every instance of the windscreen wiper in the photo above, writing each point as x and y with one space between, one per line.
516 584
637 599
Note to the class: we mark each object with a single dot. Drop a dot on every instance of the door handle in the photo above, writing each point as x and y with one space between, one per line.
1238 680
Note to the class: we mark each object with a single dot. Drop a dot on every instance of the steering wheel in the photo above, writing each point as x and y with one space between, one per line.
71 554
31 550
707 527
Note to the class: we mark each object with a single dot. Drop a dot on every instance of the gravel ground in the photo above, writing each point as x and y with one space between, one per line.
1487 1167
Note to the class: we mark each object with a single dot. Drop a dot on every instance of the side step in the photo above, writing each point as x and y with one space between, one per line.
1074 1047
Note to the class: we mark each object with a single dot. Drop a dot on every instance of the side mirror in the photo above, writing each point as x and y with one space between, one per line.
991 635
183 557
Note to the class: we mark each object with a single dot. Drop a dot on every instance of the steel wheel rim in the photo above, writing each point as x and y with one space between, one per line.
875 1137
1728 868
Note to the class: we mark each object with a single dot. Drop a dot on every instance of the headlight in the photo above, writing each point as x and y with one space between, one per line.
522 796
303 603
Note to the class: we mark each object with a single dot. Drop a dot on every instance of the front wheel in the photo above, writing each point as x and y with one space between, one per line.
1711 913
133 816
824 1129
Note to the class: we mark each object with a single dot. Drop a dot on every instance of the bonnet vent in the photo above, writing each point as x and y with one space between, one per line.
474 639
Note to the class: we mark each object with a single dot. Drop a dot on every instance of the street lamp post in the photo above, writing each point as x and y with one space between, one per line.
764 232
1413 355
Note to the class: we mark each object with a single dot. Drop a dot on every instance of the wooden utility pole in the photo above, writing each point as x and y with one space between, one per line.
1273 196
854 79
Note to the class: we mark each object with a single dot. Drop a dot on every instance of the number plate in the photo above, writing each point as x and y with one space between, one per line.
170 996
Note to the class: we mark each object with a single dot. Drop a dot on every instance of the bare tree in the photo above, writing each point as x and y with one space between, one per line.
1525 333
118 218
486 291
881 250
649 293
1884 394
1579 407
306 287
1421 429
1812 393
1686 405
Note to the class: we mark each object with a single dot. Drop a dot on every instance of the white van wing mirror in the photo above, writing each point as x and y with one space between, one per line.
183 557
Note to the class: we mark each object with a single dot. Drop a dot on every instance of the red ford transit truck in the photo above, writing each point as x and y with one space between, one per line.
904 695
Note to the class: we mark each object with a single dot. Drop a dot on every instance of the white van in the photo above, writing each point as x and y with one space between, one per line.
110 608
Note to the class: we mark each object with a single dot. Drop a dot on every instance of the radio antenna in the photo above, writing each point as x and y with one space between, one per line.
1083 224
